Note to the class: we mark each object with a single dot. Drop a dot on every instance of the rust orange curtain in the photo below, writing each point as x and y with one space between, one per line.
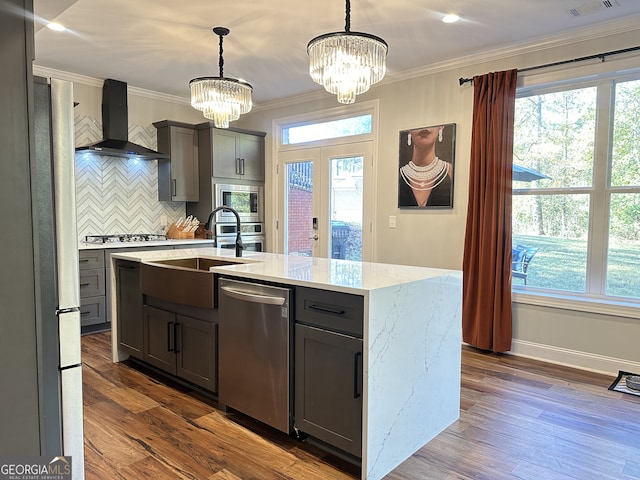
486 265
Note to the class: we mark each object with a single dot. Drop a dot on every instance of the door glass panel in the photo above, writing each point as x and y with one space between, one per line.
299 204
346 208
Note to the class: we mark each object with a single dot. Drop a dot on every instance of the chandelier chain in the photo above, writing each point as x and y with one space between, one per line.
221 60
347 18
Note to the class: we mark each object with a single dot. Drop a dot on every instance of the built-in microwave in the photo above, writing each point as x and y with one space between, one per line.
247 200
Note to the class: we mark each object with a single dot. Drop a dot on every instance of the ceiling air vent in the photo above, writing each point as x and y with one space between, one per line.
592 7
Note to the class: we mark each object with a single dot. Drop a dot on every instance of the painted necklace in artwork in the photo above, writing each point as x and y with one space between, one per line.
418 177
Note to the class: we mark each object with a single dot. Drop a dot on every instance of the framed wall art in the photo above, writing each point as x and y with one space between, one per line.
426 167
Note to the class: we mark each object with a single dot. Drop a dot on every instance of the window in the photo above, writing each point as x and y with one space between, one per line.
576 189
359 125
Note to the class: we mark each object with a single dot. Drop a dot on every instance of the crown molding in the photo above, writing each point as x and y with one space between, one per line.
98 82
606 29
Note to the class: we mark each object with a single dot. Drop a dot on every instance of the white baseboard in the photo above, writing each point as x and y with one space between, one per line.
573 358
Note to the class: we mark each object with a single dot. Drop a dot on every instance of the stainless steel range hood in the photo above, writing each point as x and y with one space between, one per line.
115 127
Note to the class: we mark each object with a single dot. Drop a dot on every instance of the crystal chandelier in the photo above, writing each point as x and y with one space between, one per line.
347 63
220 99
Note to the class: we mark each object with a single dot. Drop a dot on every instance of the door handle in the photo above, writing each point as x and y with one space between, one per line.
314 237
176 341
356 364
169 331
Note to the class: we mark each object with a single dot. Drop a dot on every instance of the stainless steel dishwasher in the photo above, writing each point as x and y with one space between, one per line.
254 360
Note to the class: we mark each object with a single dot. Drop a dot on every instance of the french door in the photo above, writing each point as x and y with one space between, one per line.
325 201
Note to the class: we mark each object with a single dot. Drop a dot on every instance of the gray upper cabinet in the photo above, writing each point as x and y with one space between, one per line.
233 153
178 176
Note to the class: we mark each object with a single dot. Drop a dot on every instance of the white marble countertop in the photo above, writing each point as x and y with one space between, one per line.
338 275
169 243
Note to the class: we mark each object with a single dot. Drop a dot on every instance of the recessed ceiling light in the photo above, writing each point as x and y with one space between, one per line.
58 27
451 18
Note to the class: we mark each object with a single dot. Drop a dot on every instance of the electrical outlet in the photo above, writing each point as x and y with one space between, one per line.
163 220
392 221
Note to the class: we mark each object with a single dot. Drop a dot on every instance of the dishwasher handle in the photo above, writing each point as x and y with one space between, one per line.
253 297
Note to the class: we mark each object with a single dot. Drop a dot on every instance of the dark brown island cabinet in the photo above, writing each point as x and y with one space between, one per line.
178 339
328 367
129 302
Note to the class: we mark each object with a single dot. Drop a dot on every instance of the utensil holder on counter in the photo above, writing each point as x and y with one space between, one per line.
177 232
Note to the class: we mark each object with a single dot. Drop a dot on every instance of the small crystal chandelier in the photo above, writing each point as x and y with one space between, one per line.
221 99
347 63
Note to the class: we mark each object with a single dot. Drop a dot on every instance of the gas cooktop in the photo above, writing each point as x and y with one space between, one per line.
124 238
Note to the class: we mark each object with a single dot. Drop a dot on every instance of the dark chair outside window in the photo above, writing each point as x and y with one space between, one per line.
521 257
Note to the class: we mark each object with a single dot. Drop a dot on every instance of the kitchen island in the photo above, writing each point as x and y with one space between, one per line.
411 338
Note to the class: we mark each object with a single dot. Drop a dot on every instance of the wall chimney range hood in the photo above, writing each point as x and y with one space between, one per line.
115 127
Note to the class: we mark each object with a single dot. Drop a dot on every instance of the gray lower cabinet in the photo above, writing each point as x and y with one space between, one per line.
328 387
328 367
129 301
181 345
93 305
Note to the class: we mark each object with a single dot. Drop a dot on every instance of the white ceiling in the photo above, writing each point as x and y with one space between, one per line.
160 45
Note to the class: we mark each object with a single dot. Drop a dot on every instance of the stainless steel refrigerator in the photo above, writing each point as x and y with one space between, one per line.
40 374
55 246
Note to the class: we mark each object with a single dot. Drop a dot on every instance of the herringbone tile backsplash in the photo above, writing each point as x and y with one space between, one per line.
118 195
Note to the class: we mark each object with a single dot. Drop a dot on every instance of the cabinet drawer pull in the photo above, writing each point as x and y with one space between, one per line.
128 267
84 260
84 313
85 284
320 308
356 369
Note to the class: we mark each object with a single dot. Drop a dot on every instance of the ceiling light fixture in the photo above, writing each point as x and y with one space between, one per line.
58 27
347 63
451 18
221 99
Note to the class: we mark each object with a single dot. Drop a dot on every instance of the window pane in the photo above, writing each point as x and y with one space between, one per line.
299 201
346 208
625 159
321 131
554 135
623 274
557 226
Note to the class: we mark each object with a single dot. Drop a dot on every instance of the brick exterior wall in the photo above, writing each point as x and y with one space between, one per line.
300 218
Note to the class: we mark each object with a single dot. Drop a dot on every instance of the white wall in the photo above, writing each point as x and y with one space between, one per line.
435 238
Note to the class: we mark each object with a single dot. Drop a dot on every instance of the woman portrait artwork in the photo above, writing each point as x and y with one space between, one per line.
425 178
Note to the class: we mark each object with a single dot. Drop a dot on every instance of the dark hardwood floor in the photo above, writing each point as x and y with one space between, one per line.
519 419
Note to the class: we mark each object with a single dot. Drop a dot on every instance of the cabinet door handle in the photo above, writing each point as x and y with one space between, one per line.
169 332
174 188
322 309
242 166
356 369
237 166
176 342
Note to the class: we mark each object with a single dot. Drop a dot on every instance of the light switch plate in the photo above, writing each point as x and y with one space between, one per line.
392 221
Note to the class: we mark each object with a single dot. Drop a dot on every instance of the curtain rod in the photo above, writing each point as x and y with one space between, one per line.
601 56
